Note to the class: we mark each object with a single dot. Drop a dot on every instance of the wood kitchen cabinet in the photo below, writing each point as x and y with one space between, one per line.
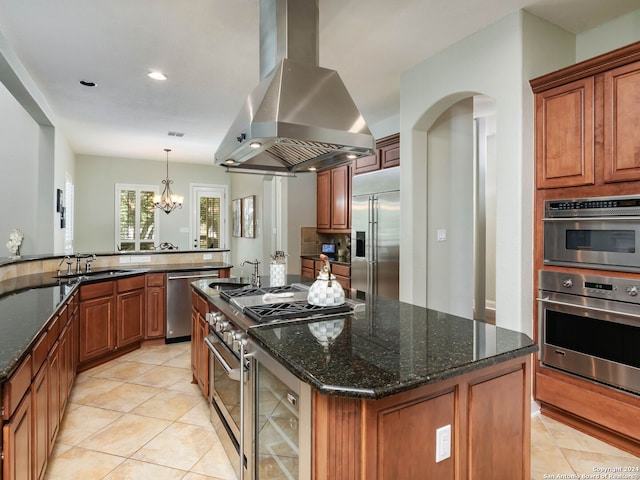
199 350
155 324
586 123
387 155
395 437
565 135
587 145
111 318
333 214
621 124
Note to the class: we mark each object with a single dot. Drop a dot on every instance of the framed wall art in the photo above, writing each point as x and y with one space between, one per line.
236 206
248 217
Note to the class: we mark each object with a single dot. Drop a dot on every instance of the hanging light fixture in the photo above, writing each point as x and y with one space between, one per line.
167 201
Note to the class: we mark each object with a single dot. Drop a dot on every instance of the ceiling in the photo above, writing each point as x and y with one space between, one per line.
208 49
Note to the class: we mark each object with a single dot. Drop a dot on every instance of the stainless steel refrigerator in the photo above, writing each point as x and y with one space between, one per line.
375 232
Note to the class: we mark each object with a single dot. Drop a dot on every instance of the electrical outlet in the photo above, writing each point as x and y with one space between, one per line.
207 256
443 443
125 260
442 235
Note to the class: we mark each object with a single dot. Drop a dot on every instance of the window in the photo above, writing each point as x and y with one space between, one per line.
209 216
136 217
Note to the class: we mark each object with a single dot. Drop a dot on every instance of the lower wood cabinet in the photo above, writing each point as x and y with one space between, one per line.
18 442
395 437
199 350
155 325
40 418
111 317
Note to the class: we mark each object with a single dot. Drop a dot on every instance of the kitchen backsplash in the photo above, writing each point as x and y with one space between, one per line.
311 241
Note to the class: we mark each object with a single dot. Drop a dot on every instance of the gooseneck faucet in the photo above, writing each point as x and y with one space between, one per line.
255 276
69 262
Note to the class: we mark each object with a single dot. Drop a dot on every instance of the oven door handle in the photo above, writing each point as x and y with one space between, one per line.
591 219
585 307
234 373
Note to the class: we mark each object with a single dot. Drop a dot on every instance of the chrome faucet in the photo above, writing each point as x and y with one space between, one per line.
255 276
90 258
69 262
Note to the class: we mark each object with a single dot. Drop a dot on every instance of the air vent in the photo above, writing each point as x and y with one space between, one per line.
175 134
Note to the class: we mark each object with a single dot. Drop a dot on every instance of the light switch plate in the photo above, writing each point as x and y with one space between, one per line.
443 443
442 235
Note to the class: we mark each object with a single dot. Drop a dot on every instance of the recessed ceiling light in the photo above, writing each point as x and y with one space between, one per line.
351 156
312 169
255 144
87 84
157 75
229 161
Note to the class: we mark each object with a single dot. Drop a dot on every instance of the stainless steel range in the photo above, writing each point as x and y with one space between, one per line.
590 326
272 404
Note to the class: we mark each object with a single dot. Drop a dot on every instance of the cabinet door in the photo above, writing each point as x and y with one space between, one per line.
622 124
130 315
366 164
389 155
53 372
340 198
565 135
203 356
323 206
97 324
40 419
155 326
17 443
65 368
194 341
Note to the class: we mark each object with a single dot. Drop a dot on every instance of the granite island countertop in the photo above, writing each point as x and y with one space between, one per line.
389 348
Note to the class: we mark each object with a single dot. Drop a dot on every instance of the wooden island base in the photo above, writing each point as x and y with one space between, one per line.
394 438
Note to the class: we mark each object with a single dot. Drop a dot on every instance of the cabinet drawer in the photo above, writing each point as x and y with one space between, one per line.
308 272
95 290
342 270
131 283
155 279
39 354
16 387
199 303
53 331
307 263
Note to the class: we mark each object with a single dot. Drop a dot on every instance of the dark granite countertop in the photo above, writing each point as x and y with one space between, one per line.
28 302
389 348
23 316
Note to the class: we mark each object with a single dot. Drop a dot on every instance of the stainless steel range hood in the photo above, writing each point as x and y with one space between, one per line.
300 115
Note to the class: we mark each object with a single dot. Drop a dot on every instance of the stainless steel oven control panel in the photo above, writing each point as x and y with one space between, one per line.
610 288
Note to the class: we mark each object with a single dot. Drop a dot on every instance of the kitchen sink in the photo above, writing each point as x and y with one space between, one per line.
106 273
227 285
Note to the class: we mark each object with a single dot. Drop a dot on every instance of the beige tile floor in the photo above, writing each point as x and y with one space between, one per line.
139 417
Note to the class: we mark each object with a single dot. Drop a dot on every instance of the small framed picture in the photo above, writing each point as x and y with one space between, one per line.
236 206
59 200
249 217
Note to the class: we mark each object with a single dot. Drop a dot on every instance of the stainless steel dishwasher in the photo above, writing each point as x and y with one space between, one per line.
179 302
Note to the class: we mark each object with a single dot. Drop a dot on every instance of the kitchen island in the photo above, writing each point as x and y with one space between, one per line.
385 379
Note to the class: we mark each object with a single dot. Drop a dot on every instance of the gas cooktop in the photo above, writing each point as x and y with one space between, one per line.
251 292
285 311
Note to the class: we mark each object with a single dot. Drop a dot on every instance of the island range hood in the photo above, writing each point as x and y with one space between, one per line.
300 117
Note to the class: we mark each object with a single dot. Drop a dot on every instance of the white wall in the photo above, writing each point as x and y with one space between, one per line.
496 62
616 33
450 208
19 158
95 181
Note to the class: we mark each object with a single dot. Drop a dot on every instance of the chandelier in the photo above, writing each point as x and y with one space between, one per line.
167 201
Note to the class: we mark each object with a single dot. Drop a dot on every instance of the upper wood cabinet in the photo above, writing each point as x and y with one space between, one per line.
565 135
387 155
622 124
587 122
333 213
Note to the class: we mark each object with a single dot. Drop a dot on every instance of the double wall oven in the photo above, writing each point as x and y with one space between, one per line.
589 324
261 412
